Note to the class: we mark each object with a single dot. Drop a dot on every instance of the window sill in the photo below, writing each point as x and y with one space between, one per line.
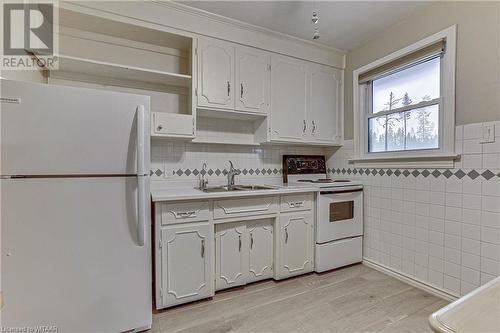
445 161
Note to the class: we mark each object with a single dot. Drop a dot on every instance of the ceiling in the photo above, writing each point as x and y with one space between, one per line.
342 24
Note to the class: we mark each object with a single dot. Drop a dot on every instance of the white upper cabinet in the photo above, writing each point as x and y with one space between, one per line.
231 251
261 254
325 104
303 100
215 74
253 80
306 102
289 86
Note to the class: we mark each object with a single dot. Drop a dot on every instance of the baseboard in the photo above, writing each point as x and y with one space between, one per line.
411 281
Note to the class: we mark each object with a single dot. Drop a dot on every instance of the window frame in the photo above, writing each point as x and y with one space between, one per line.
362 103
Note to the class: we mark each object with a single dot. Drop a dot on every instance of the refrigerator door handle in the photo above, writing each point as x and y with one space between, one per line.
141 210
141 179
140 140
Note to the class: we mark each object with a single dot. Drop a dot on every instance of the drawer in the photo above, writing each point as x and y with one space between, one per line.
182 212
249 206
296 202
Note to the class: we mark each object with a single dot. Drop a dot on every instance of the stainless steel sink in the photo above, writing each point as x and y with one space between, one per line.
254 187
216 189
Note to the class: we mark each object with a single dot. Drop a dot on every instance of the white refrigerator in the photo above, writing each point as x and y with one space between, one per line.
75 209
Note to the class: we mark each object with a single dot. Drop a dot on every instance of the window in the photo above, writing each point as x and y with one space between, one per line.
405 109
404 104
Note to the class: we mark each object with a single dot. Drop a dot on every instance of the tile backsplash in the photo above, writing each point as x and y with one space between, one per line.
180 162
441 227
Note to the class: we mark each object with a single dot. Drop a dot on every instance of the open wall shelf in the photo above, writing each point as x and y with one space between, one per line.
70 67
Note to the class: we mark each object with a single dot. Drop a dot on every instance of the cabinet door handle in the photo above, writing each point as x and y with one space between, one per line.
241 90
239 243
228 88
304 127
251 241
203 248
286 235
313 127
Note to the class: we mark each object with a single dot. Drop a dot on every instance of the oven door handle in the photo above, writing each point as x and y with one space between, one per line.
342 191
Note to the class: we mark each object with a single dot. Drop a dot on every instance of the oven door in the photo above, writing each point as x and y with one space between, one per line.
340 214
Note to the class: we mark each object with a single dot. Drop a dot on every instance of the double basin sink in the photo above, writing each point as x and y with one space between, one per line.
215 189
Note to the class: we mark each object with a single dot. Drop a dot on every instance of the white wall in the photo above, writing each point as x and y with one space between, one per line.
444 232
478 55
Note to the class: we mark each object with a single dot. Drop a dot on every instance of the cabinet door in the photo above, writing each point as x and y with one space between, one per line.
288 99
295 244
231 255
215 74
253 80
261 253
186 263
324 113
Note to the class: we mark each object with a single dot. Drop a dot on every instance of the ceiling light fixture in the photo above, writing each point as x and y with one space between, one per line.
315 21
315 18
316 34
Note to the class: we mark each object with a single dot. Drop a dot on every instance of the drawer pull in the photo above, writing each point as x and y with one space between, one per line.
185 215
296 204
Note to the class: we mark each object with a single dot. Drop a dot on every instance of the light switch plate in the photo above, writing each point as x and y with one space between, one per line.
488 133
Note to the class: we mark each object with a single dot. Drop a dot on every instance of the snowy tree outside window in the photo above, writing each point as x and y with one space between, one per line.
405 109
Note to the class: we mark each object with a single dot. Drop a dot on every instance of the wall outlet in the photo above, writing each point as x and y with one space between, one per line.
488 133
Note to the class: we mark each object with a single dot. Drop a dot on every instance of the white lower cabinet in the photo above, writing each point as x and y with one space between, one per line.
296 244
203 246
261 254
244 253
231 251
186 258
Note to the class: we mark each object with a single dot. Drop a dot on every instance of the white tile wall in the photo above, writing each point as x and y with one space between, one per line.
169 157
447 231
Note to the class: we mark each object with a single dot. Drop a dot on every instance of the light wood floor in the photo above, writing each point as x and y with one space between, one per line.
351 299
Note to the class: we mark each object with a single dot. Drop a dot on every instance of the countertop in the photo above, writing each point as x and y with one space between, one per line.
166 192
478 311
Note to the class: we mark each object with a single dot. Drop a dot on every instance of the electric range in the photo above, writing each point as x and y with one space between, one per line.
339 211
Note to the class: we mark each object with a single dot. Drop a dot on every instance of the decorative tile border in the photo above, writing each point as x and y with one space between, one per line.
472 174
218 172
460 174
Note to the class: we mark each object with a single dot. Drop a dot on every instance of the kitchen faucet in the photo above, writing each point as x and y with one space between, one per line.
203 181
230 175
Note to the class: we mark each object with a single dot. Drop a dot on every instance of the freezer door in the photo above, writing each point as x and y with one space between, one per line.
71 255
55 130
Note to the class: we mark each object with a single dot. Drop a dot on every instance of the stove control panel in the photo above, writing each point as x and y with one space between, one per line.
303 164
